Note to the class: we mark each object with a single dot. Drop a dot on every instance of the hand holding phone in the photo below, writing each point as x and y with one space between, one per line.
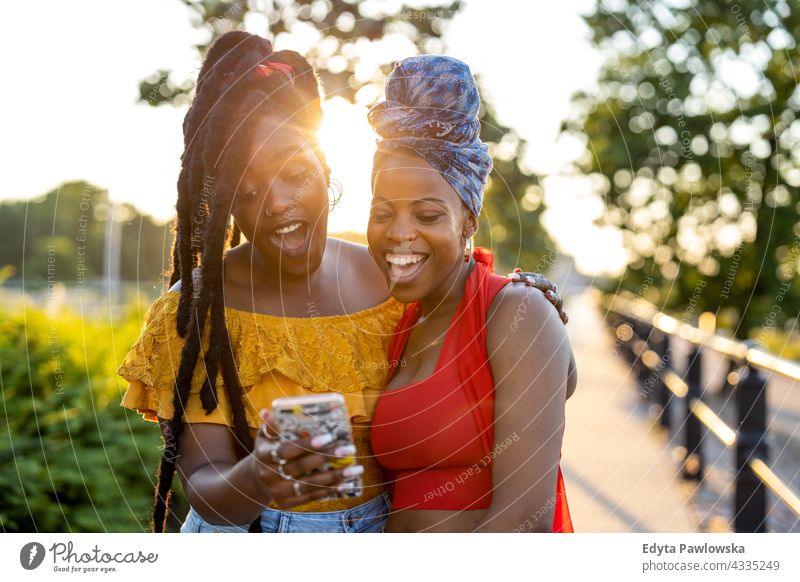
303 417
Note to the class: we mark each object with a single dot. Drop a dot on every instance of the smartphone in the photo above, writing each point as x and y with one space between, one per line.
298 417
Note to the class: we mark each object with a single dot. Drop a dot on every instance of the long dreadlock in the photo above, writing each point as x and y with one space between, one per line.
216 136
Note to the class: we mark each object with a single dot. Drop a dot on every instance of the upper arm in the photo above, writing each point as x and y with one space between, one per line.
201 443
529 355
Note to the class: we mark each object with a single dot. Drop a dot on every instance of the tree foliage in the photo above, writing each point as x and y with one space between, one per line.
692 140
347 30
510 223
343 29
61 236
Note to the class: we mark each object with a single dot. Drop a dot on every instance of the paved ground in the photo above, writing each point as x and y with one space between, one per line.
619 472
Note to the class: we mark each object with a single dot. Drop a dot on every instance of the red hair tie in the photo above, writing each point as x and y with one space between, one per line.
267 68
261 71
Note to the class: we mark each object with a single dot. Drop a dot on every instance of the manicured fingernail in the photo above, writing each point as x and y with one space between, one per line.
549 293
353 470
345 487
517 270
345 451
321 440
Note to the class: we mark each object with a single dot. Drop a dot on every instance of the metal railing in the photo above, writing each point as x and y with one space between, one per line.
646 334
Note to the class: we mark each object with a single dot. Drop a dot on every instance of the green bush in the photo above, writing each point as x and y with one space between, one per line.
71 458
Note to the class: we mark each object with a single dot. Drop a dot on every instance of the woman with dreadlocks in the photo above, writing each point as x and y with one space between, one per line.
288 312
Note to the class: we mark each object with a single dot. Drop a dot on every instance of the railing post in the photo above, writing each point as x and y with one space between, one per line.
726 387
644 332
662 395
692 468
751 496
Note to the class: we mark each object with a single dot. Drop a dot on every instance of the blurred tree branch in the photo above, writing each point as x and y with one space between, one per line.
342 27
693 138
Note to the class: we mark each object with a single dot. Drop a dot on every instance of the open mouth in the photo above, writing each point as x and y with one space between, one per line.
403 267
291 237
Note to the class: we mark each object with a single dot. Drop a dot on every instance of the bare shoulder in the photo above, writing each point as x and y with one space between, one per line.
355 259
515 304
350 250
521 323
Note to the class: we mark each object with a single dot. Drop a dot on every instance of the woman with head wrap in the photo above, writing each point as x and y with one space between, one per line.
471 420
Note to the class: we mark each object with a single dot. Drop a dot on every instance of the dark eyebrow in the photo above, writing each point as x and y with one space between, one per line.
282 156
285 154
428 199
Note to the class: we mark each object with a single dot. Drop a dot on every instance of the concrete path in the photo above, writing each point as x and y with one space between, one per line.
619 472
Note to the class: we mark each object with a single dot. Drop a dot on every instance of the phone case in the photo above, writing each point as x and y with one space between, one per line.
298 417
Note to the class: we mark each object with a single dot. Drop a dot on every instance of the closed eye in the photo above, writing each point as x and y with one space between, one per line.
297 176
429 217
379 216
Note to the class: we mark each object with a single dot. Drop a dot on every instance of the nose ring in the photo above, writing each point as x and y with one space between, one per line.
268 212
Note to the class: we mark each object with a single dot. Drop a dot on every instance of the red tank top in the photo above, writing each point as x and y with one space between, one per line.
435 436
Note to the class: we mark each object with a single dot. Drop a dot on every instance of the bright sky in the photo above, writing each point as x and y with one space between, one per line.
69 110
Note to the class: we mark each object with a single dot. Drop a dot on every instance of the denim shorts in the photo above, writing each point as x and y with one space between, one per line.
369 517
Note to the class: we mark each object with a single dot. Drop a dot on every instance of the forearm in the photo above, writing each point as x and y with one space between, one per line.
227 494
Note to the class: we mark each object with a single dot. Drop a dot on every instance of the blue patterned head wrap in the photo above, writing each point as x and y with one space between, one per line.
431 108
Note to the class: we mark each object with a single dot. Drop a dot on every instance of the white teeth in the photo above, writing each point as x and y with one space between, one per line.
287 229
403 259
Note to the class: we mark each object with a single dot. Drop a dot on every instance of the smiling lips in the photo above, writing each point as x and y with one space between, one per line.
404 267
291 237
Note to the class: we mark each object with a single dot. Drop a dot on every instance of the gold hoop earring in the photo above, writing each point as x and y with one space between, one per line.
334 188
468 249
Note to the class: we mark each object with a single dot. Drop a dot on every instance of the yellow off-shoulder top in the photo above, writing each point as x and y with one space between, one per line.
276 357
